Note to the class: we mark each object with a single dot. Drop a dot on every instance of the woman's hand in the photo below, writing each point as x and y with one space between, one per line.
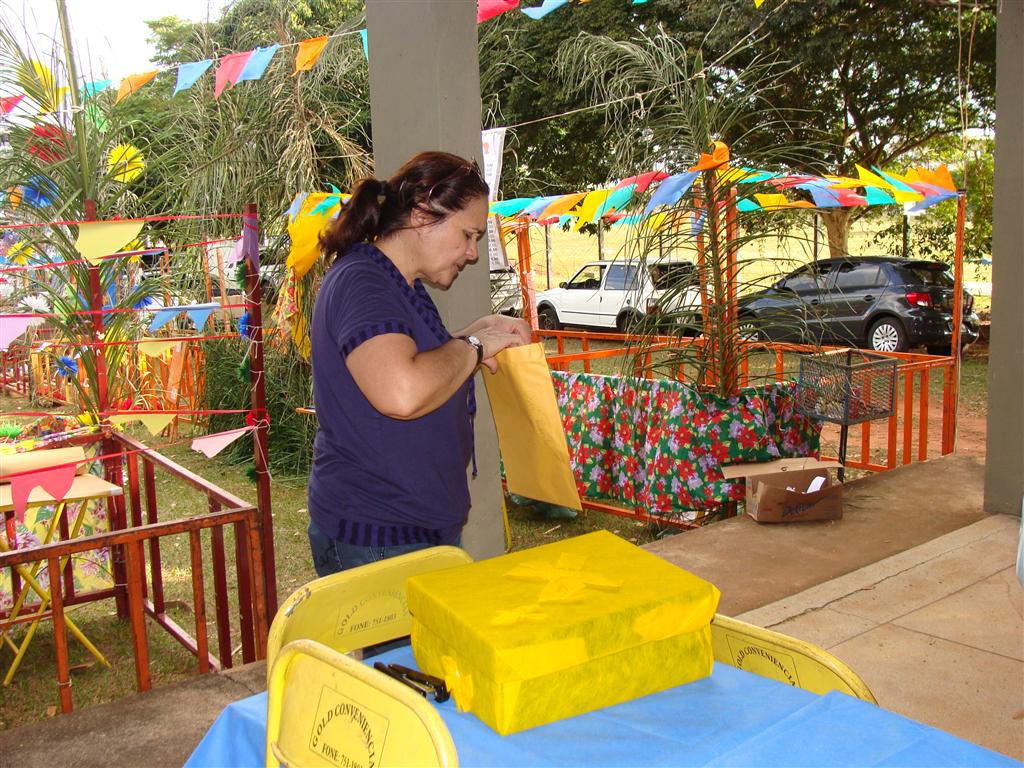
514 325
495 340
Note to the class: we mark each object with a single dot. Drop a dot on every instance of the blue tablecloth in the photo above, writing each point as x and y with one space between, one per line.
732 718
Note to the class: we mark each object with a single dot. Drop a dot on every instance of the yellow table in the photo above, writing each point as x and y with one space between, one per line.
84 488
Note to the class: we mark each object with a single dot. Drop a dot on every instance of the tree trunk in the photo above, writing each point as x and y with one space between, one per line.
837 226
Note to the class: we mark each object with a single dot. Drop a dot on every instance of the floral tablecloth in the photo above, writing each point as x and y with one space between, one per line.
659 446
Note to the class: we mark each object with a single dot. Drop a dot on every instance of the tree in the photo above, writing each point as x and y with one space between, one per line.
860 81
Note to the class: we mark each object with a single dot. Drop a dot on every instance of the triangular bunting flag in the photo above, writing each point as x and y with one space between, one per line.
308 53
96 86
228 70
132 83
155 347
8 103
670 190
156 422
488 9
200 313
162 317
189 73
97 239
542 10
257 63
56 481
211 445
366 44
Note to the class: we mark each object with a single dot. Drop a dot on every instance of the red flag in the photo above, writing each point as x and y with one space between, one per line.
488 9
7 103
55 481
228 70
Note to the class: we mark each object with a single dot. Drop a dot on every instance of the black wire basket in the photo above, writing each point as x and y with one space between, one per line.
847 386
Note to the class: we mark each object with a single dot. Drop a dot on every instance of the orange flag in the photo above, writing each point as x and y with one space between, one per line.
718 158
308 53
132 83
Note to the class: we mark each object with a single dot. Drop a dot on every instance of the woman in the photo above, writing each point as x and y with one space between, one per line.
393 388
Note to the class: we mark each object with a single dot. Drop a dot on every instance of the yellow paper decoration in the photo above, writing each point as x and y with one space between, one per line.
125 162
97 239
304 231
156 347
588 208
154 422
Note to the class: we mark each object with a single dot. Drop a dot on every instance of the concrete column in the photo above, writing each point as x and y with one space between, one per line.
1004 446
425 94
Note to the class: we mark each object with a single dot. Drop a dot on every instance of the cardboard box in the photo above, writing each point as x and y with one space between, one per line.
778 491
550 632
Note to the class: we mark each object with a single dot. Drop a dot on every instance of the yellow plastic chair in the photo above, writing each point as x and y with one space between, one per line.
327 709
783 658
356 608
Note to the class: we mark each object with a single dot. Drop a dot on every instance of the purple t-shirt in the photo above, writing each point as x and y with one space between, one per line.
379 481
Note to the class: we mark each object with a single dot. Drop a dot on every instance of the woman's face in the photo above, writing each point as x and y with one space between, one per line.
446 247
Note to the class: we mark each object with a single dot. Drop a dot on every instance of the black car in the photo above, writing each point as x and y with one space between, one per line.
881 303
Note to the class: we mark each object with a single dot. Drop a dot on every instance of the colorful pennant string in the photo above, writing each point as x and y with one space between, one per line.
8 103
228 70
488 9
542 10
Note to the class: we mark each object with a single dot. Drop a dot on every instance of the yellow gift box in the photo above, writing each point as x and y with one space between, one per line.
547 633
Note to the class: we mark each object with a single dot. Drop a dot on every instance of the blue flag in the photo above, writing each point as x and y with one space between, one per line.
189 73
257 63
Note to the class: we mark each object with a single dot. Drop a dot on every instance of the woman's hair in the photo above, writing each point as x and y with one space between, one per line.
437 183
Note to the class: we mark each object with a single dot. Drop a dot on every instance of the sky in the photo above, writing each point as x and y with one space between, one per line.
109 34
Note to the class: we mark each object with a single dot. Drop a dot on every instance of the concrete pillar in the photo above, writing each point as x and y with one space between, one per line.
1004 446
425 94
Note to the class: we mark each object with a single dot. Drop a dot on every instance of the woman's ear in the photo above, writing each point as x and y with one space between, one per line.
418 217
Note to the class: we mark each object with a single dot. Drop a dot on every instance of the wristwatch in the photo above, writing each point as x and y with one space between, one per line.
476 344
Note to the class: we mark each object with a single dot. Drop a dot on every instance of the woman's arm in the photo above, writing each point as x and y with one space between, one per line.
403 383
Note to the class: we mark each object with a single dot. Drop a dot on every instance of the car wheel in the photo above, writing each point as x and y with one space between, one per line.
748 330
547 319
628 322
887 335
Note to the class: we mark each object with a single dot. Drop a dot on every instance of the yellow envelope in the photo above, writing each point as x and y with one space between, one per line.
530 432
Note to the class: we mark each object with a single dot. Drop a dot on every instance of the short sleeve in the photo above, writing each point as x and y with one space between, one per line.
365 303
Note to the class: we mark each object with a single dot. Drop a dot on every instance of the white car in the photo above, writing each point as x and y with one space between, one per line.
620 294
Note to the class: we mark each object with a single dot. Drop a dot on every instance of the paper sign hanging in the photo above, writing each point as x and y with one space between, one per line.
56 481
308 53
211 445
530 432
97 239
12 327
155 347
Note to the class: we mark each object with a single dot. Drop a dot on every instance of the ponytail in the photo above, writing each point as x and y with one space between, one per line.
438 183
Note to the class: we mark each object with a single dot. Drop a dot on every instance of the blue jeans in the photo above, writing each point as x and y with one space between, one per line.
331 555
